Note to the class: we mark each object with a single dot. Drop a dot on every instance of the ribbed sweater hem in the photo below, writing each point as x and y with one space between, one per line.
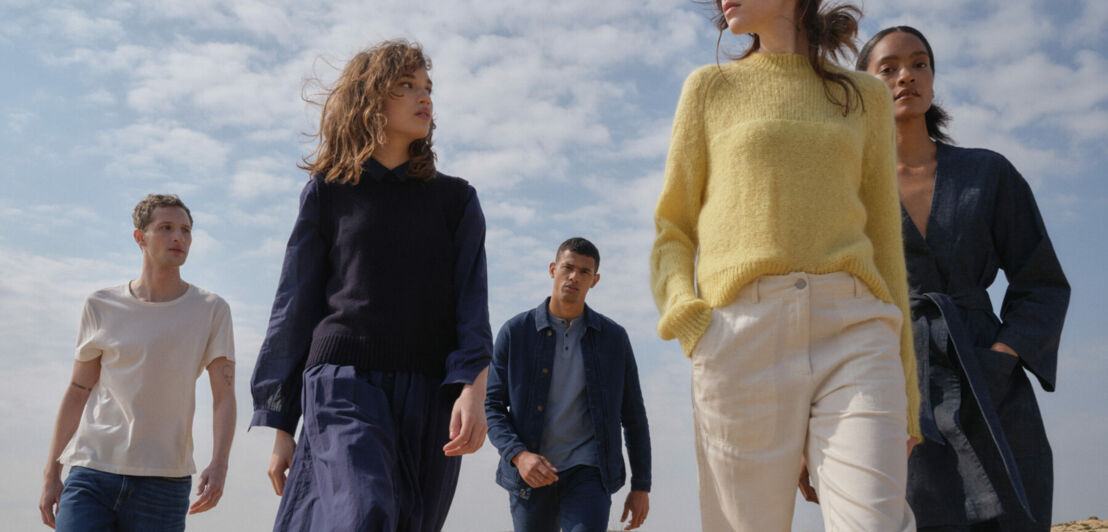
363 354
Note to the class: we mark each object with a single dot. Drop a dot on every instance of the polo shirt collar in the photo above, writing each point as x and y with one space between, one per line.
542 317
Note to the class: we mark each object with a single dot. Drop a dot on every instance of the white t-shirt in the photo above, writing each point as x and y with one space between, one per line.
138 420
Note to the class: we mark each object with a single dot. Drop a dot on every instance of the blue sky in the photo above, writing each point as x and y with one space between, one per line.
559 113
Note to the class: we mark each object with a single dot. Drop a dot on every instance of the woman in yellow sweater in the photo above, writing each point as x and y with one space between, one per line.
778 265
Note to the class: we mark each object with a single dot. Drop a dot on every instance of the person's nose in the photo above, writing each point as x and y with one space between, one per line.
905 77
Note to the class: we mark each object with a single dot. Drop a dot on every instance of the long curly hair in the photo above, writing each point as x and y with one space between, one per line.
353 121
830 33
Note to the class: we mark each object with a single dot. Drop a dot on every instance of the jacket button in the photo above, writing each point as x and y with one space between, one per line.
549 332
522 491
545 371
540 408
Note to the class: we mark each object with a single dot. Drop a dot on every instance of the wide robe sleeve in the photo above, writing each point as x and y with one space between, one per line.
297 308
1038 294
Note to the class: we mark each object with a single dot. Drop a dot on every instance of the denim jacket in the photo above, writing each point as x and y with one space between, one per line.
519 384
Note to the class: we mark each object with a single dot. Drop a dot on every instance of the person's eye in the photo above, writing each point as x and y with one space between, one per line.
885 70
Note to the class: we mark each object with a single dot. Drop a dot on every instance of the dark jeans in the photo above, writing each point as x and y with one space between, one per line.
97 501
577 502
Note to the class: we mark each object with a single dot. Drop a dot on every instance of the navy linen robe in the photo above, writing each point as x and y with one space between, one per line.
985 454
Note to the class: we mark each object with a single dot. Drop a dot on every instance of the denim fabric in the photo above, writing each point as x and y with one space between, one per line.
577 502
519 386
984 219
94 501
370 454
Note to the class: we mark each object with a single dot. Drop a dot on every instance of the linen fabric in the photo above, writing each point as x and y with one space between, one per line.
370 454
138 419
766 176
801 365
988 453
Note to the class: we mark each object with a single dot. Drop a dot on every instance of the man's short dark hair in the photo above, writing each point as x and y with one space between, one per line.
144 211
579 246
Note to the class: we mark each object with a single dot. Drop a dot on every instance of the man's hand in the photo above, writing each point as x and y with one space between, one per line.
805 482
210 488
468 425
638 505
280 461
912 441
51 494
534 469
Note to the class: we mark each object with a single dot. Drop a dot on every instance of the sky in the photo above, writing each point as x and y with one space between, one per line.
559 113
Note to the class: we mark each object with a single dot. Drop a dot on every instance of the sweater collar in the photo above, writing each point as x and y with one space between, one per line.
378 173
785 63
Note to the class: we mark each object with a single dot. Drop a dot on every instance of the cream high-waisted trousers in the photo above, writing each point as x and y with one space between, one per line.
801 364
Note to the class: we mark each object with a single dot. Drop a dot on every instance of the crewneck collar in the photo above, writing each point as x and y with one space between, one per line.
784 63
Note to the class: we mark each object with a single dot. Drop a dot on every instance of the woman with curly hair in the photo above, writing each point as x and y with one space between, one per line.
380 327
778 265
986 463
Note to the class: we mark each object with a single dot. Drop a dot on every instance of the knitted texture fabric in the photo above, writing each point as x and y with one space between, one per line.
766 176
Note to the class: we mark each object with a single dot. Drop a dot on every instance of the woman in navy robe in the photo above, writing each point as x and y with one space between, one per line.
985 463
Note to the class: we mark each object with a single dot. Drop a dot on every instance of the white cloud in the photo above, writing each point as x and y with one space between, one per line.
78 26
264 176
155 149
100 97
16 121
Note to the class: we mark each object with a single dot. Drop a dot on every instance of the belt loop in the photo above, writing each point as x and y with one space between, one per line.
857 290
757 287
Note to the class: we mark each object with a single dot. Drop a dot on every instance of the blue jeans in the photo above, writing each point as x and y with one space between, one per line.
577 502
97 501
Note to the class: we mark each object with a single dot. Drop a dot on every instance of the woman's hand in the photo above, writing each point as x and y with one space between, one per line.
281 459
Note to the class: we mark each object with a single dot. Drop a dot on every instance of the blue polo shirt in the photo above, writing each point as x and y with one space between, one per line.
568 435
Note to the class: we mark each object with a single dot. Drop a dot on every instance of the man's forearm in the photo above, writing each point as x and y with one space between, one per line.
69 417
223 428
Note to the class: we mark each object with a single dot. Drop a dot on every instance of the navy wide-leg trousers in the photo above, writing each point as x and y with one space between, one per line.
370 454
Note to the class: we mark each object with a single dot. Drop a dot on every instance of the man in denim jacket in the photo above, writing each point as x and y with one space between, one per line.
563 380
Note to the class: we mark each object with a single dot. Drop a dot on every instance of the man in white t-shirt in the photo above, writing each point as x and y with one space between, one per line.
140 349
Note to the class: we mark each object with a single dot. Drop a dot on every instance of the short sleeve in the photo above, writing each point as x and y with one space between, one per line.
87 347
221 337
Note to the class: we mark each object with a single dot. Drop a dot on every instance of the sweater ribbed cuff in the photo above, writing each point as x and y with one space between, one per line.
686 321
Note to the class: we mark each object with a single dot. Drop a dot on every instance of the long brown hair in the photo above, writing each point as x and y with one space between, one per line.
353 122
830 33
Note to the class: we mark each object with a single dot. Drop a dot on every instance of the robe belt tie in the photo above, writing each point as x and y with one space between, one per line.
951 327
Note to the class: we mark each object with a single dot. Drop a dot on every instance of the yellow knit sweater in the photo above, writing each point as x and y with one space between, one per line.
765 176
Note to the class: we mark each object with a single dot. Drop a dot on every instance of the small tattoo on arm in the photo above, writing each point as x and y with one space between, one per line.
79 387
229 374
